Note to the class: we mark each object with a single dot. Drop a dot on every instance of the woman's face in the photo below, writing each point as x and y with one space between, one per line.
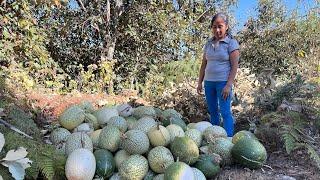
219 28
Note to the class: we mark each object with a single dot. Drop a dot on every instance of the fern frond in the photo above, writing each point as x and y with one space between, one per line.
294 133
293 139
51 164
289 142
313 155
298 122
46 166
59 164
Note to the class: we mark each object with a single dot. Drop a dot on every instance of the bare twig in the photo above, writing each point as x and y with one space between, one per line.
108 18
14 128
307 137
81 4
268 166
205 12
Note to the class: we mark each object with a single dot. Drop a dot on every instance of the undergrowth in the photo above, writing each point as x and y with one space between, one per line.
46 162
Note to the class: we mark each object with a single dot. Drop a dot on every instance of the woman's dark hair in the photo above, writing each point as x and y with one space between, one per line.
225 19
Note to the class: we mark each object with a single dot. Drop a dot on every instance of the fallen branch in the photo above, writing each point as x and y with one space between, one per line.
14 128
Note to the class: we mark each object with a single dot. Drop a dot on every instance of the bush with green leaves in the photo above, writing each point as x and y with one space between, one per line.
285 42
24 58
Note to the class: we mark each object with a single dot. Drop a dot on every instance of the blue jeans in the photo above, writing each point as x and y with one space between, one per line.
215 101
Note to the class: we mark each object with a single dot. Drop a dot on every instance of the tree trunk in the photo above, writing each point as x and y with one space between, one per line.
107 52
112 33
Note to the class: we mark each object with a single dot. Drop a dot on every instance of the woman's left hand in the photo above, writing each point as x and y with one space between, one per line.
226 91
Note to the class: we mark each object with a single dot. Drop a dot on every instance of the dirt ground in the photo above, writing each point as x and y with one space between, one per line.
279 165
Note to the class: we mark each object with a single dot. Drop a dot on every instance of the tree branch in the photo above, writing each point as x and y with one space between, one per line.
108 12
81 5
14 128
204 13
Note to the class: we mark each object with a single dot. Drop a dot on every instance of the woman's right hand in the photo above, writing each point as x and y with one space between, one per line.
199 88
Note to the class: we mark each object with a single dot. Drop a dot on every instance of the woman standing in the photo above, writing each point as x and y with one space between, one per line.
218 71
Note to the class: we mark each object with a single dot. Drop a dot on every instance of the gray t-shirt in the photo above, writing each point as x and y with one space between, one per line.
218 62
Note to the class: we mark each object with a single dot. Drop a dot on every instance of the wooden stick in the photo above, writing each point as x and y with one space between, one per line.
81 5
14 128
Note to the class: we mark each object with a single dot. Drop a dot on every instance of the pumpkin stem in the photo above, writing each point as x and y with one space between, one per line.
82 140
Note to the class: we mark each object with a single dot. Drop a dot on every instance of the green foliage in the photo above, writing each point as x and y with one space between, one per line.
52 164
143 34
313 154
180 71
294 137
23 121
287 91
39 38
273 40
289 140
169 75
24 58
43 156
161 36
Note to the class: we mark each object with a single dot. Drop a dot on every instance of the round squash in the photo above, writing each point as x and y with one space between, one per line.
142 111
159 136
179 171
91 119
195 135
131 122
110 138
222 146
135 142
213 132
94 136
207 165
145 124
119 122
86 106
80 164
72 117
242 134
124 110
198 174
202 125
78 140
175 131
249 152
59 135
105 163
104 114
134 168
160 158
84 127
185 149
121 156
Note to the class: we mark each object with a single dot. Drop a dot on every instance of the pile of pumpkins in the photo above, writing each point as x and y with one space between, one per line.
145 142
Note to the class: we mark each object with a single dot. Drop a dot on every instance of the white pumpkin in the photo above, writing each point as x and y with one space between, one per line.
80 165
202 125
124 110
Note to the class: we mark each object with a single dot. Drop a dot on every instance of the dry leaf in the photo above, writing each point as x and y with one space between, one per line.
25 162
2 141
13 155
17 171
